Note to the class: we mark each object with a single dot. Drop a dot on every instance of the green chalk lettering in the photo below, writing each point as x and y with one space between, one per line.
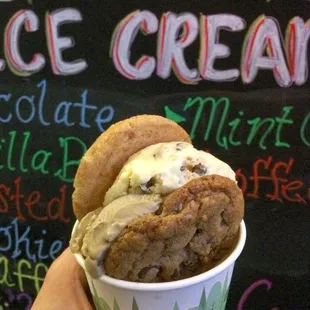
201 103
234 125
12 135
281 122
303 129
26 135
4 276
67 163
39 161
1 141
215 105
38 280
221 141
257 124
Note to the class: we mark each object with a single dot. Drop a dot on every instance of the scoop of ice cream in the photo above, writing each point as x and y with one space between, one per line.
164 167
99 228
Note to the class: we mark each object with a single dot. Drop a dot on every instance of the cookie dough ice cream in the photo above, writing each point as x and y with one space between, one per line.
163 168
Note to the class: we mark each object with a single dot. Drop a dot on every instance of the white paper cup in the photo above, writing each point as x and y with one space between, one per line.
206 291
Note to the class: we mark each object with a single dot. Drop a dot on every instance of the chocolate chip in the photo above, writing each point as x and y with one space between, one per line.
199 169
179 146
182 168
145 187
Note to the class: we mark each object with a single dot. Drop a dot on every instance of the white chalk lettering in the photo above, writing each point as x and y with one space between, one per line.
297 41
30 21
264 35
211 49
170 47
57 44
122 40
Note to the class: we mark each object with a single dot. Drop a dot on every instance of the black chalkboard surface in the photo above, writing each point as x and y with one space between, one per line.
234 74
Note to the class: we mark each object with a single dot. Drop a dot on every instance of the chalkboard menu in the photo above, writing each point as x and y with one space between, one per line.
233 73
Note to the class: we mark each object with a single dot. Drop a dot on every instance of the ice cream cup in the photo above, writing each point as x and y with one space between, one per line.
208 290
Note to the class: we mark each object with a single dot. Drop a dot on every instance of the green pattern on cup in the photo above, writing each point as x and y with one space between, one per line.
100 303
116 306
176 306
134 305
216 299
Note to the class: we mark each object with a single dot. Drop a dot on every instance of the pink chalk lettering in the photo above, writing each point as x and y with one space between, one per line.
123 37
264 34
170 48
30 21
211 49
297 40
247 293
57 44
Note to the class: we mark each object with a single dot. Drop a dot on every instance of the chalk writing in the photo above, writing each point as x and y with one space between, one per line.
264 35
278 175
18 242
27 108
22 298
13 198
305 130
21 273
226 129
247 293
15 155
56 44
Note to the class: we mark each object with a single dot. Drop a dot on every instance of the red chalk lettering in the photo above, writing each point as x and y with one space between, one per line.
4 206
278 174
17 198
242 181
276 179
293 186
25 205
256 176
56 206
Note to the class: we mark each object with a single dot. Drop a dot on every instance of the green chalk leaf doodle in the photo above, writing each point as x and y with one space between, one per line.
173 116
